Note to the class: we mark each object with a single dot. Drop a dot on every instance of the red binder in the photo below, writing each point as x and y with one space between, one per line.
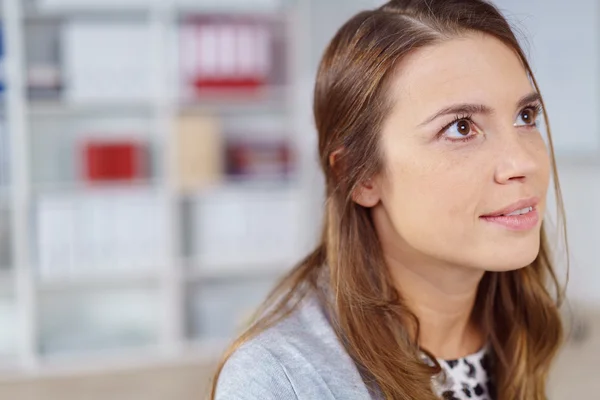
227 53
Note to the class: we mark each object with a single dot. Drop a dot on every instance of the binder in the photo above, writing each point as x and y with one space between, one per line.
226 54
200 159
107 61
259 159
100 233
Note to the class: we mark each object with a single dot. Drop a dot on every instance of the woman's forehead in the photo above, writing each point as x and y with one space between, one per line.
476 67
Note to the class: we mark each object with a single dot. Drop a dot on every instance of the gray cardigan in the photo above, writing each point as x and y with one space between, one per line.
300 358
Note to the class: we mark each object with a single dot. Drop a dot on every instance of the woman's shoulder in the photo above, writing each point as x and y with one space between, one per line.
300 357
253 372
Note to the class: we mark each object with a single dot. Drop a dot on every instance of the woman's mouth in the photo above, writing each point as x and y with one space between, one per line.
520 216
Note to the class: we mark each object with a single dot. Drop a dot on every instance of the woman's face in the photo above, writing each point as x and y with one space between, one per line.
462 150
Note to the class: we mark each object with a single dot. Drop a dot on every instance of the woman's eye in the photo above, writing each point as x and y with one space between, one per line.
460 129
527 117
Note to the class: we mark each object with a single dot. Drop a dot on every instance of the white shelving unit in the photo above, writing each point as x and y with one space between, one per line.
172 284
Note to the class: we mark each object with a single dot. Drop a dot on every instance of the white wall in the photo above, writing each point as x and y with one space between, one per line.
581 191
562 41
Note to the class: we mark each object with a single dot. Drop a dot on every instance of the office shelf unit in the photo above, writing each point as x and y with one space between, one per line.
142 270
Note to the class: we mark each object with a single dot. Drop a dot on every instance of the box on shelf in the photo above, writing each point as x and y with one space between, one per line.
96 234
235 229
58 143
199 147
9 324
114 160
258 159
107 61
258 148
228 53
83 321
222 310
42 39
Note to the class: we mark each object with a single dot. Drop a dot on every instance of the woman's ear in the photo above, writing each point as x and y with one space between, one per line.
368 193
335 160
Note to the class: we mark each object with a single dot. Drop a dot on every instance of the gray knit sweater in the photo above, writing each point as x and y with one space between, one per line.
301 358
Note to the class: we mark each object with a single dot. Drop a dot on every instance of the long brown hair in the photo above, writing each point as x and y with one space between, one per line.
518 310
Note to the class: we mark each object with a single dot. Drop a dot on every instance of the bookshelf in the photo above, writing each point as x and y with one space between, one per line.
146 210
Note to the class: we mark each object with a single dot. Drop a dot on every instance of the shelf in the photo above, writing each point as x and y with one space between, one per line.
227 102
83 363
264 7
194 273
111 9
198 272
113 356
100 10
99 281
265 102
108 320
108 316
58 108
243 187
203 352
96 188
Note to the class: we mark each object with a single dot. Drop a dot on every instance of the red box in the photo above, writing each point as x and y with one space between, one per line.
113 161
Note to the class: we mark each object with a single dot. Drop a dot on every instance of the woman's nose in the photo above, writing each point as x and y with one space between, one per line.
516 160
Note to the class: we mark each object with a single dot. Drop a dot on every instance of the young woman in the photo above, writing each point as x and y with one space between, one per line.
432 278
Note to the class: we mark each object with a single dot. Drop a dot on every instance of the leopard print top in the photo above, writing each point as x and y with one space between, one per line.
466 378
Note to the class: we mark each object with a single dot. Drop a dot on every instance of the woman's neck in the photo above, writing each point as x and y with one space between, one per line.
442 298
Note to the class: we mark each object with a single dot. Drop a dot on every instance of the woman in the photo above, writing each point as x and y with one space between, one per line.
433 277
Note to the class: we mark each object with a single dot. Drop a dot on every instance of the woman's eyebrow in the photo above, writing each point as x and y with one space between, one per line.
454 109
469 109
533 97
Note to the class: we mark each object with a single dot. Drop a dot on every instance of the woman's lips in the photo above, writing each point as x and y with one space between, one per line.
520 222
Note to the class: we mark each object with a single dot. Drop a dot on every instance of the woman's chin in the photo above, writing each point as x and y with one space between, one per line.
512 261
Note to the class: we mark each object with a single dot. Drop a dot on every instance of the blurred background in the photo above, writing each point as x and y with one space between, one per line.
158 174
